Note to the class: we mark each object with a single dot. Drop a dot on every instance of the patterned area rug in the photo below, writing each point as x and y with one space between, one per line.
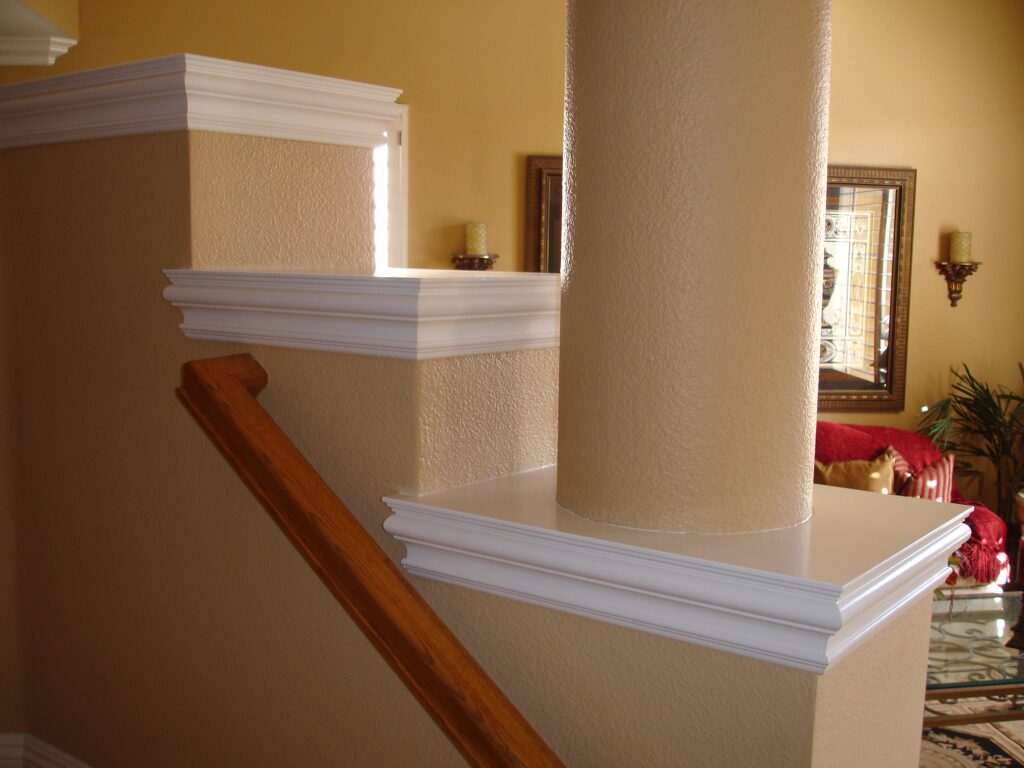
970 746
982 745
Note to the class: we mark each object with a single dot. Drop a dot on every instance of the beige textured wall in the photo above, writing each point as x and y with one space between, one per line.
11 625
267 203
870 705
171 623
486 415
695 182
168 621
938 86
191 617
604 696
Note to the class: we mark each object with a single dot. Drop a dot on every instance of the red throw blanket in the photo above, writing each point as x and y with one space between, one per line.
983 555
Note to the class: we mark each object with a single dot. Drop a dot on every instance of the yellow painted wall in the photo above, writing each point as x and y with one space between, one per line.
483 81
938 85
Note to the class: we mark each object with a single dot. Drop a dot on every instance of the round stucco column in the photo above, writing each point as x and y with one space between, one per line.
695 179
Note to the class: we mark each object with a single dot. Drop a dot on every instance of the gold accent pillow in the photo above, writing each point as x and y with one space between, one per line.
876 475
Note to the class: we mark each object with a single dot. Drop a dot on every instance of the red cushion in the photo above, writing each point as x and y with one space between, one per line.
842 442
845 442
981 553
917 449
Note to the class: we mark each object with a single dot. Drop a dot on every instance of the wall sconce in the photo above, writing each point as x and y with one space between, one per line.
959 267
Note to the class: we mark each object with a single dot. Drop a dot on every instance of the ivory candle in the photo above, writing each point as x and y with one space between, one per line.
476 238
960 247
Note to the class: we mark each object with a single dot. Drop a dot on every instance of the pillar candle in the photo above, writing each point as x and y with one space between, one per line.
476 238
960 247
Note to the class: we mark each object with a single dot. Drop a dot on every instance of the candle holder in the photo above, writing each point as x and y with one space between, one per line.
956 273
468 261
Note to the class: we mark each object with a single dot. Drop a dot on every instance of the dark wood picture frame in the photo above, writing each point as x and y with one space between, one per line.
892 396
543 235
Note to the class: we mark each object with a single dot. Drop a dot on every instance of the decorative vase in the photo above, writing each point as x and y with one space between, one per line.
828 287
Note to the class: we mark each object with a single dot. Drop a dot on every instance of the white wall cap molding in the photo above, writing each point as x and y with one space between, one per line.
40 50
22 750
412 314
801 596
189 92
27 38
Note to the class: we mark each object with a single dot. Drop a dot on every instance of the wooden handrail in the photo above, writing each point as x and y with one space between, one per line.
472 711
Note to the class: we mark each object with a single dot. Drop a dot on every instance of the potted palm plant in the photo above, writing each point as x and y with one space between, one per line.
983 422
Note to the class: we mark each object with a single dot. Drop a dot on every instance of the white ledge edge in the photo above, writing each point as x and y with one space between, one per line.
189 92
796 621
33 50
407 314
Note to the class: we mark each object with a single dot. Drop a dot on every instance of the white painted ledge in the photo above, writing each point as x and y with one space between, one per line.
27 38
801 597
40 50
189 92
411 314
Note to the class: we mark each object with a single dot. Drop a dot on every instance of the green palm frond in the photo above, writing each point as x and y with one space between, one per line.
985 422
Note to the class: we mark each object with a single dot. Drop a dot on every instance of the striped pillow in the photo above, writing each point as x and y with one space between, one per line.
901 469
934 482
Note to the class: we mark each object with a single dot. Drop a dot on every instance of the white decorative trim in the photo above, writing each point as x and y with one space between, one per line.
40 50
22 750
801 597
409 314
189 92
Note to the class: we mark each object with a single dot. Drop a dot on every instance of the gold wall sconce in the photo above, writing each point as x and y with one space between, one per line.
959 266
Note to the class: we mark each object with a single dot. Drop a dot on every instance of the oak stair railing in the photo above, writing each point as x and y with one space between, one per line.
471 710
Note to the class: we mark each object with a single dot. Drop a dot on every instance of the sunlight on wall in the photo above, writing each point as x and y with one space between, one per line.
380 207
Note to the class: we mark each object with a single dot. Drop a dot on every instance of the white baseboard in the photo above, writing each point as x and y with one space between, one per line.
22 750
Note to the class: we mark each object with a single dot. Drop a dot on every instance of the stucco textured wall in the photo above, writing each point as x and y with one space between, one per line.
191 615
694 190
869 706
271 204
486 415
168 621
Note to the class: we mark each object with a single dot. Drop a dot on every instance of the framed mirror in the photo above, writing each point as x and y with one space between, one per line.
543 236
865 301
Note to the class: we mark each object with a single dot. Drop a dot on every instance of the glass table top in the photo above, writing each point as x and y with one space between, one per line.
969 636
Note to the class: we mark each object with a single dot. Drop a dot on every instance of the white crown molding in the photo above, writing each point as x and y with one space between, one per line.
189 92
801 597
409 314
22 750
40 50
